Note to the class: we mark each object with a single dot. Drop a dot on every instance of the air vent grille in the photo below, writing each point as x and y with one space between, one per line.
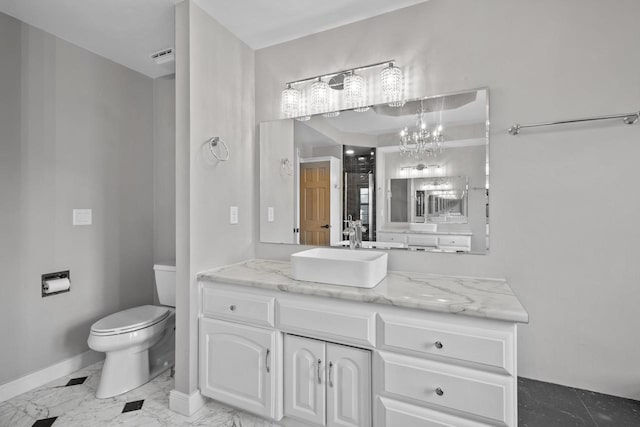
163 56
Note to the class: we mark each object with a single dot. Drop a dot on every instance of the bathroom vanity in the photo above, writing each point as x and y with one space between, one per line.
416 350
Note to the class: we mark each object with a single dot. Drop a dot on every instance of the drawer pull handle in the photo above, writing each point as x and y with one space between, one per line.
330 378
439 391
439 345
232 307
267 361
319 374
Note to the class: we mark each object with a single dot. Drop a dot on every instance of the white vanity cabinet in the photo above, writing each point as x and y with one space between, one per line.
326 384
448 242
237 366
309 354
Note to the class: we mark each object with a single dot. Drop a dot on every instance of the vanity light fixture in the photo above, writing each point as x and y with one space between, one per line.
355 92
290 104
349 152
392 85
319 96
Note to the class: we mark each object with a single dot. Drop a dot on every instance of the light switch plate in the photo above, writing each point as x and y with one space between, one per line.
270 214
233 215
82 217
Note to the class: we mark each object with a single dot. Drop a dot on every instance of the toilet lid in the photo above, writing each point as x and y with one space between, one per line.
130 320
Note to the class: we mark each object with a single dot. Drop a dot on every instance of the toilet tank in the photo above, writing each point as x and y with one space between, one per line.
166 284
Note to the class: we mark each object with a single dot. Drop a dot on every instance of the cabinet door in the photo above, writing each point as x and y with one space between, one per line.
304 379
348 386
237 365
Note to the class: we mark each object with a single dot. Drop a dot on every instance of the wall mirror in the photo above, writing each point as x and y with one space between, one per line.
415 175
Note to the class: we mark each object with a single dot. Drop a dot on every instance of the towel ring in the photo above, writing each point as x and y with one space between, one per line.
213 142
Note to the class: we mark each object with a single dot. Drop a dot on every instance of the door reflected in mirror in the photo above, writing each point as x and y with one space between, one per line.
415 176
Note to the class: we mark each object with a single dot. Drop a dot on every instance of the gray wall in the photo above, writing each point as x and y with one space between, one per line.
572 263
76 132
215 97
164 170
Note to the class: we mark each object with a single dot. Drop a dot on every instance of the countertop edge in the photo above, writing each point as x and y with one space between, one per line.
517 315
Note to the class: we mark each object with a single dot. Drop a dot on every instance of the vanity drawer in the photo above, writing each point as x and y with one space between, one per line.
454 241
390 237
236 306
333 322
491 348
439 385
422 240
391 413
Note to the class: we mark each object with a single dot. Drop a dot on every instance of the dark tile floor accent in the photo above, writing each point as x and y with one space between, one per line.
45 422
133 406
76 381
543 404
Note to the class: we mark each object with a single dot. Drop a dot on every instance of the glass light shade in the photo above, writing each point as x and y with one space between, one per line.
362 109
290 104
354 90
392 83
320 96
332 114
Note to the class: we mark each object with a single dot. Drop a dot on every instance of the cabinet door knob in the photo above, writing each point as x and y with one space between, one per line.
439 345
232 307
439 391
319 373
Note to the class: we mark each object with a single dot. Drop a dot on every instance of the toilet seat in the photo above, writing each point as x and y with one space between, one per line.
130 320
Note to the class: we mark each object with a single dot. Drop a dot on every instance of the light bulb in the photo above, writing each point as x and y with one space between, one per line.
290 104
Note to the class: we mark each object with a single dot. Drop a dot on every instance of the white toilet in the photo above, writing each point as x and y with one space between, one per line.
139 342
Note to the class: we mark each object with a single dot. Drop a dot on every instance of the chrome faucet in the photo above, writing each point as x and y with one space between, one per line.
354 230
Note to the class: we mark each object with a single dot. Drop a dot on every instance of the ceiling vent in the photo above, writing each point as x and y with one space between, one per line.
163 56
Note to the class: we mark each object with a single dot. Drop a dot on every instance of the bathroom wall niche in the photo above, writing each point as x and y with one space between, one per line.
368 165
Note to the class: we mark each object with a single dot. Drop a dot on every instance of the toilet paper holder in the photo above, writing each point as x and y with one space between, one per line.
53 276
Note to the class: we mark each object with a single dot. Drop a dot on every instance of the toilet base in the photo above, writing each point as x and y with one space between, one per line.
122 372
128 369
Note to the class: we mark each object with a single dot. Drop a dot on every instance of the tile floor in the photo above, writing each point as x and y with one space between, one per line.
70 402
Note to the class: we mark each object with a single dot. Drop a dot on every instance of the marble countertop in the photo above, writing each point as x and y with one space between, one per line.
486 298
441 233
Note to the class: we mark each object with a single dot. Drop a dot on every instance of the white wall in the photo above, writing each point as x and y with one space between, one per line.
557 233
215 97
76 131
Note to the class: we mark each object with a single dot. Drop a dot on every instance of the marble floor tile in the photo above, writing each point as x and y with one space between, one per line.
543 404
540 405
611 411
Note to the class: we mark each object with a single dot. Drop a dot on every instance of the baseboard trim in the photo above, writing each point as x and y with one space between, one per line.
46 375
185 404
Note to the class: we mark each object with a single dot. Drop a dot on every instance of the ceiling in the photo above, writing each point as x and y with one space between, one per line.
128 31
262 23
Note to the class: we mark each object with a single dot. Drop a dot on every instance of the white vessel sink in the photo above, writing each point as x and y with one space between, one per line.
344 267
420 226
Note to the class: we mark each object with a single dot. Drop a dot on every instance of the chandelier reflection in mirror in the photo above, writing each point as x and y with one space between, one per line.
421 141
328 93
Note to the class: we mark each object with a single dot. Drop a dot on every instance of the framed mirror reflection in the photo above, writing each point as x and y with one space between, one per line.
413 177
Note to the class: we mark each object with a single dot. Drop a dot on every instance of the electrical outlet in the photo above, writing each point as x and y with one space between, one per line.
270 214
233 215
